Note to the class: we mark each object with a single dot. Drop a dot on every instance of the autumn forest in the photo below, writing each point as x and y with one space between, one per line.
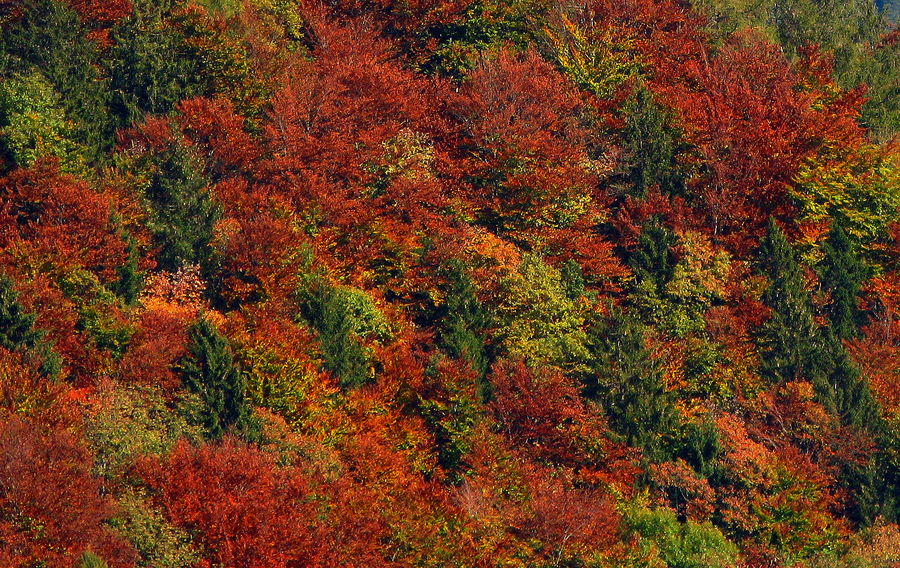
449 283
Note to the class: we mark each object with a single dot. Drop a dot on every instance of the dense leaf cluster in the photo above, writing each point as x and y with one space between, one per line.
449 283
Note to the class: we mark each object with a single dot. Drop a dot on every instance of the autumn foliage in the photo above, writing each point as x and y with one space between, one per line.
448 283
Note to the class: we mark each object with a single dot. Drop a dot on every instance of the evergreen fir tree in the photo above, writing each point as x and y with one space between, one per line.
651 144
629 384
849 395
209 371
572 279
345 356
790 341
17 331
654 260
151 70
185 211
50 37
130 279
463 319
842 276
16 326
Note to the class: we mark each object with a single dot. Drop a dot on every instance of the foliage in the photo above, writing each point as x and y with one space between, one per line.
34 124
843 274
791 340
629 383
157 541
679 544
209 371
17 330
448 283
542 324
49 37
51 506
343 318
185 213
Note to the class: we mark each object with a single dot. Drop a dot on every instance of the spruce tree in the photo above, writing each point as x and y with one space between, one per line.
842 274
790 342
572 279
186 213
652 145
325 309
16 326
848 394
209 371
17 331
629 384
50 38
152 69
654 260
128 286
462 319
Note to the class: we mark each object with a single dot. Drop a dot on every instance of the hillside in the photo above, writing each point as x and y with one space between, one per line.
449 283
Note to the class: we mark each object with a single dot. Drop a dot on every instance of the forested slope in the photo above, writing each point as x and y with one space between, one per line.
449 283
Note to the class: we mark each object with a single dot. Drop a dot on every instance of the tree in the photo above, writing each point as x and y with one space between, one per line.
538 321
50 37
185 212
51 505
17 330
540 410
15 325
150 70
241 507
842 276
326 309
209 371
652 144
850 397
462 319
629 384
654 260
790 341
34 124
59 221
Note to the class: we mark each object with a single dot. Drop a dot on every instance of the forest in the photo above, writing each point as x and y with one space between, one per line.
449 283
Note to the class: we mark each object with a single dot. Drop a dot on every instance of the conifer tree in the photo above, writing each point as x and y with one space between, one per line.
209 371
842 276
572 279
790 340
462 319
130 280
654 261
323 306
17 331
794 348
185 211
50 38
652 146
849 396
15 325
629 384
151 70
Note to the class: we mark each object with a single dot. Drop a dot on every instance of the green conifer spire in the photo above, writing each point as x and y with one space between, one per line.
462 319
842 276
209 371
326 310
654 260
789 340
629 383
16 329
